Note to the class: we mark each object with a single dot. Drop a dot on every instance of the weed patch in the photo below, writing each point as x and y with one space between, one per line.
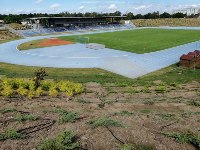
186 137
7 110
105 122
64 141
65 116
21 117
123 113
11 134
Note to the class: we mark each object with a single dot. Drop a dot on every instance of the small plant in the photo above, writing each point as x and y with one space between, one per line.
123 113
126 147
69 117
145 111
21 117
64 141
104 122
11 134
186 137
145 90
39 77
144 147
167 117
8 110
174 84
161 89
137 147
195 103
65 116
149 102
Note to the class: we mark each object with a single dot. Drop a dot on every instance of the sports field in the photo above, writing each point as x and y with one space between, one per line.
143 40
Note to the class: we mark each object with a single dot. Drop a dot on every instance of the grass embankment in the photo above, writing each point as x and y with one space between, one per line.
169 75
6 36
136 41
173 22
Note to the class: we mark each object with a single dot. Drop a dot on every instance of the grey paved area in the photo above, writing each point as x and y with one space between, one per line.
78 56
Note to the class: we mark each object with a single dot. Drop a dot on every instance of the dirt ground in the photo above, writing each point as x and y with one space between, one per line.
53 42
6 35
153 114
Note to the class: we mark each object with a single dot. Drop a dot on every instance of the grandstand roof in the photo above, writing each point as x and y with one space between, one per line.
76 17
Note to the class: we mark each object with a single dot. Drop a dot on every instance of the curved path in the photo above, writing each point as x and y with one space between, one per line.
78 56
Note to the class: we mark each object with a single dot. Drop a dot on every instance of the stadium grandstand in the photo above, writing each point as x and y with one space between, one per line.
48 25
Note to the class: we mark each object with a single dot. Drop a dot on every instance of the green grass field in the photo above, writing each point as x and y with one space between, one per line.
143 40
169 75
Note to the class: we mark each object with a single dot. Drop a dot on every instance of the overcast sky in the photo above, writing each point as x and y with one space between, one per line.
56 6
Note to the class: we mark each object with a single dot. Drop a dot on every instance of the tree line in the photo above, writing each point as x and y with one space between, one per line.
14 18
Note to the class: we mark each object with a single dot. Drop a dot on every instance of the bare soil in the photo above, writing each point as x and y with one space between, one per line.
153 114
53 42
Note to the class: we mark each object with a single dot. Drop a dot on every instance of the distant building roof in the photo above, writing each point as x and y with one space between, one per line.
190 55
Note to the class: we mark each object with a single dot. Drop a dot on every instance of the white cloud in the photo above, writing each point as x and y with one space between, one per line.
38 1
54 6
81 8
112 7
142 7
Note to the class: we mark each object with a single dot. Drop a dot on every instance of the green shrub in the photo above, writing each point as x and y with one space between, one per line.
31 85
28 88
64 141
7 91
46 85
19 82
104 122
22 91
39 92
70 88
53 92
31 94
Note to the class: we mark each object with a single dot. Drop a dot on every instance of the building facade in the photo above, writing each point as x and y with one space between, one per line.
188 11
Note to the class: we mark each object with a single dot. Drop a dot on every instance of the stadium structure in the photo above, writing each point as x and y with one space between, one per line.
48 25
72 21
